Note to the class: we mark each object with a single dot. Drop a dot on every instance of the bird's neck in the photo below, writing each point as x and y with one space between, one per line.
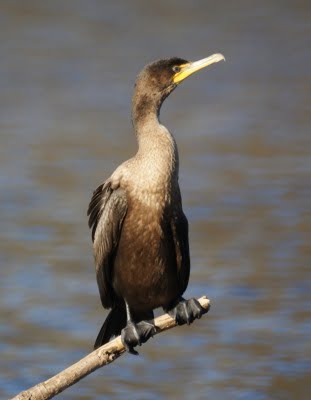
156 145
145 109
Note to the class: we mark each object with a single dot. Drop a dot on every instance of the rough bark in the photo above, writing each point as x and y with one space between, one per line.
98 358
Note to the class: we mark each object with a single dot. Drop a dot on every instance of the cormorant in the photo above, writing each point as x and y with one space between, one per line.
139 230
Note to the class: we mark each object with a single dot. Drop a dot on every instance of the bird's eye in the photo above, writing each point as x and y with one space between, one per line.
176 68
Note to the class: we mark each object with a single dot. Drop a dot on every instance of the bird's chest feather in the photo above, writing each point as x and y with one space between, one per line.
145 266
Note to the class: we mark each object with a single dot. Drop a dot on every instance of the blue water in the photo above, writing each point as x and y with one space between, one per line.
243 131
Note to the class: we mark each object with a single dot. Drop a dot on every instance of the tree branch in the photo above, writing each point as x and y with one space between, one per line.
98 358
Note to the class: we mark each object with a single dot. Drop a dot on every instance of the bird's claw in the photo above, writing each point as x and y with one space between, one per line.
136 334
186 311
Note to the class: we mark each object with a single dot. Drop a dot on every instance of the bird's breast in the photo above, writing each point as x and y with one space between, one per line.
145 264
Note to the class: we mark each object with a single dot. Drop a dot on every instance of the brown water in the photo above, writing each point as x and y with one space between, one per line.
243 130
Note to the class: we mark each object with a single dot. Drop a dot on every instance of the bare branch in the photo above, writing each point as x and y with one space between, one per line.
98 358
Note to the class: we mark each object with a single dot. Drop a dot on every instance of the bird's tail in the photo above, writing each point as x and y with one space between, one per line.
114 323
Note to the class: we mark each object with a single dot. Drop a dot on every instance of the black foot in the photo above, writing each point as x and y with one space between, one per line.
186 311
135 334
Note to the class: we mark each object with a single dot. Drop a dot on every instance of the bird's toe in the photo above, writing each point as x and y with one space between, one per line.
186 311
135 334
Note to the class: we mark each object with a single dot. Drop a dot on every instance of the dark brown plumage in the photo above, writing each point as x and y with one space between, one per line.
139 230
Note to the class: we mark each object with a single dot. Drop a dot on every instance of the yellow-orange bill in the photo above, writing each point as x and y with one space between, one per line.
192 67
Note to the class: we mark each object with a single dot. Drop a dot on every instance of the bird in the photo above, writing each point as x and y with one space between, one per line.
139 229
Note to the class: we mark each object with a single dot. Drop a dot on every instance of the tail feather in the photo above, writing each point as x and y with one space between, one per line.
114 323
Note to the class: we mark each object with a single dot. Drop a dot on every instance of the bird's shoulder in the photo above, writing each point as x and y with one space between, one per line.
108 204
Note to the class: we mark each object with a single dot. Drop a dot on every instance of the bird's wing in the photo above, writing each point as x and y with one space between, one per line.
179 227
106 213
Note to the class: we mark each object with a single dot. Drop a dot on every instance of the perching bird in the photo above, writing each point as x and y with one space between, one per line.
139 230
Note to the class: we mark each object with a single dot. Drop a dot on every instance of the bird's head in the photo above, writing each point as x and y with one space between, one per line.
163 75
158 79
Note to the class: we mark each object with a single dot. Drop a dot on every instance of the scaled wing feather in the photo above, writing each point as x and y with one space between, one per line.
106 213
179 227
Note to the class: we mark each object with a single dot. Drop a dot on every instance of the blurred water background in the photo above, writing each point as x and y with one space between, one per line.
243 128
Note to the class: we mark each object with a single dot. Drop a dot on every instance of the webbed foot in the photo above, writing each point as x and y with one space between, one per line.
135 334
186 311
